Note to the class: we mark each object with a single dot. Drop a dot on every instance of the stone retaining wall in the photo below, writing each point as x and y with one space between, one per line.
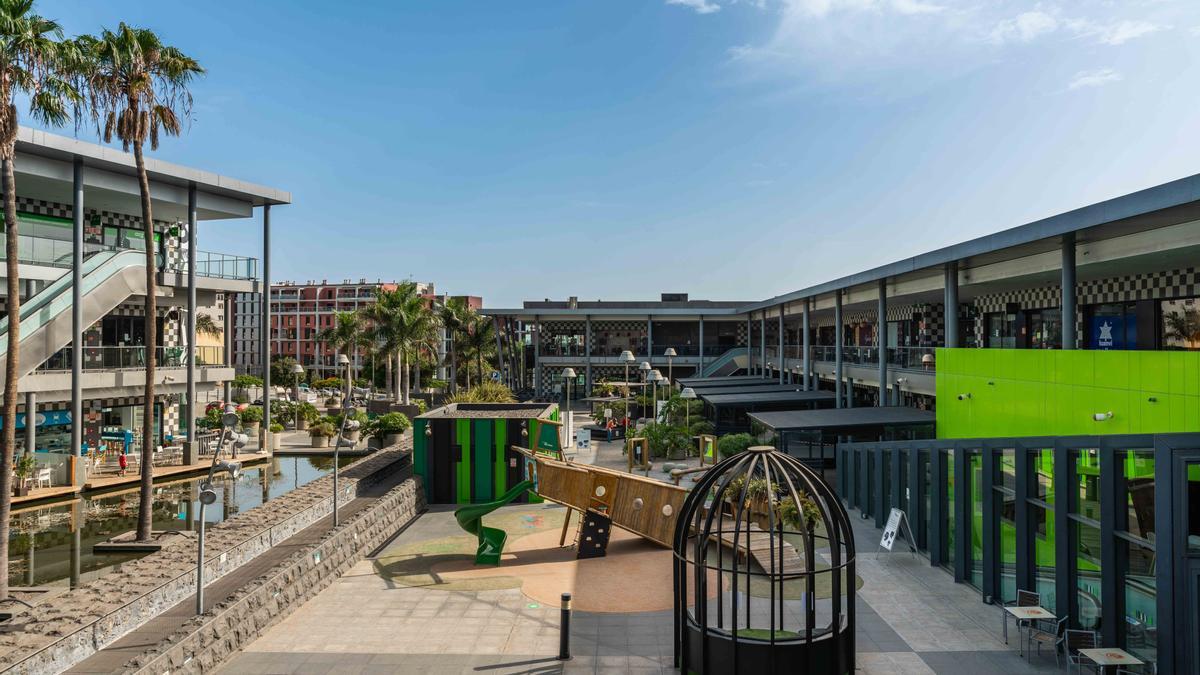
55 635
205 641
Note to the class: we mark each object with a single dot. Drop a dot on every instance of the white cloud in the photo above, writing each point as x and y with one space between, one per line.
701 6
1094 78
1024 27
916 7
1123 31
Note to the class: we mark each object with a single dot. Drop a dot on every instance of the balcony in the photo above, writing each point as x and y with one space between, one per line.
116 358
120 371
220 266
45 252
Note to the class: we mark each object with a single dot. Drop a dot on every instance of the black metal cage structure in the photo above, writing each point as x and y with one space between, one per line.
764 571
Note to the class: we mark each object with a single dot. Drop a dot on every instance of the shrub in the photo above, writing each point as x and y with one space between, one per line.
239 398
276 427
307 411
486 392
702 427
251 415
358 415
211 419
323 429
328 383
390 423
791 515
732 444
245 381
666 440
422 406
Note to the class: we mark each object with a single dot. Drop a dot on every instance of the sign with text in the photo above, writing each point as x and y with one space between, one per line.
896 520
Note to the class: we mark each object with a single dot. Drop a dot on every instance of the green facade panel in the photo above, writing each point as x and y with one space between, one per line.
463 473
1025 392
484 467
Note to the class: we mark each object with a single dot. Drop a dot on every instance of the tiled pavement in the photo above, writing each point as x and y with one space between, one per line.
911 618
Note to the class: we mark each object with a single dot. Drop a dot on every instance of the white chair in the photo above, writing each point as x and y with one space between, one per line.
42 476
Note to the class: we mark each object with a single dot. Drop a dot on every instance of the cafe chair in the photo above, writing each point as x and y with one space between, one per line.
1047 633
1073 641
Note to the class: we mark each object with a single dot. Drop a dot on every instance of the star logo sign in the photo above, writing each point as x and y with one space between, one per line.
1106 331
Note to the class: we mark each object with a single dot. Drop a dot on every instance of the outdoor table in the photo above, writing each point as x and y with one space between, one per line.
1110 656
1024 614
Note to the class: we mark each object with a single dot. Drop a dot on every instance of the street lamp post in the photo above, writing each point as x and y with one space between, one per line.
347 425
298 371
627 358
670 354
688 395
209 496
568 374
654 377
644 370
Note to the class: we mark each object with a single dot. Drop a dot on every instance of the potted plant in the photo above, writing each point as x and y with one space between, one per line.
805 514
389 428
320 434
306 413
276 429
251 416
23 468
352 435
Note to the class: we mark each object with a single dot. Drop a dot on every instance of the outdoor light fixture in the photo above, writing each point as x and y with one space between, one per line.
1101 417
347 425
627 357
670 354
208 495
428 430
298 371
568 374
654 376
688 395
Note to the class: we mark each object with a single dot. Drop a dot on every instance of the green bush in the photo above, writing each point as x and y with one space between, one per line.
390 423
324 429
211 419
251 415
732 444
702 427
276 427
666 440
240 398
307 411
245 381
486 392
618 411
328 383
422 406
358 415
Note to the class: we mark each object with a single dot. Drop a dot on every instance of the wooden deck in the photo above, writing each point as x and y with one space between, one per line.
133 478
760 547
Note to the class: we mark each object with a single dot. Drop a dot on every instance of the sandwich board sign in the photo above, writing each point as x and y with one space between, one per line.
896 520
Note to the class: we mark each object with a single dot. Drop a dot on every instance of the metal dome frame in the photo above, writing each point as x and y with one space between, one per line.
703 648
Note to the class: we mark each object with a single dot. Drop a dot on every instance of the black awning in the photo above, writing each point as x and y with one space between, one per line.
752 398
802 420
699 383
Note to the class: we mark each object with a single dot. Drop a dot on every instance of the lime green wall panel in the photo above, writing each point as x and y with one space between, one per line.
1024 392
463 470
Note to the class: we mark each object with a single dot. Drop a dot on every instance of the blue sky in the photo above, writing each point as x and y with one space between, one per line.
617 149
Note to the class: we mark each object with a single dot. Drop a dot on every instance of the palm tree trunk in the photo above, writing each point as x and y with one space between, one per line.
453 366
404 377
146 494
10 366
387 377
479 363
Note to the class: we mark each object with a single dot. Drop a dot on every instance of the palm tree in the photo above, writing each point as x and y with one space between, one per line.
206 326
33 60
402 323
454 314
137 89
1183 327
345 335
480 341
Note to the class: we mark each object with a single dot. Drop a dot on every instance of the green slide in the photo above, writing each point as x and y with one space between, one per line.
491 539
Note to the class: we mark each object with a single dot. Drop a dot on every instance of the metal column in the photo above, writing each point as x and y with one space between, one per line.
881 330
837 347
950 308
749 347
191 315
537 357
31 422
649 341
805 365
229 328
587 351
782 361
76 313
265 337
762 343
700 368
1068 291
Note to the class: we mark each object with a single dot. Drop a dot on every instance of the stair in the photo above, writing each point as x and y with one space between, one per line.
728 363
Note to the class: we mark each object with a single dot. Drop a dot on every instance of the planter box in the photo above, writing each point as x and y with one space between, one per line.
320 441
301 424
409 411
392 439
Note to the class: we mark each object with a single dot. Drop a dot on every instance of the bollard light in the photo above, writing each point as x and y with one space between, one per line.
564 629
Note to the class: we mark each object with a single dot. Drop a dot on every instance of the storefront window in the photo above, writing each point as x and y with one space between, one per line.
1087 472
1139 492
1045 328
1044 471
950 518
1043 550
1086 544
1180 323
1000 330
975 476
1112 326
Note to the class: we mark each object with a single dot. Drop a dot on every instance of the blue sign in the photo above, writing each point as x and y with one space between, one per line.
49 418
1113 331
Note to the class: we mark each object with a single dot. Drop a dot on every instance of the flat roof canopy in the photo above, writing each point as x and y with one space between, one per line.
768 397
740 380
746 389
803 420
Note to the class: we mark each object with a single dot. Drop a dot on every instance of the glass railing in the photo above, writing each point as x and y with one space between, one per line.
110 358
917 358
220 266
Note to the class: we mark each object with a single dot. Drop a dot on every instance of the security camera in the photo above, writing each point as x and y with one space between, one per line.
963 397
1100 417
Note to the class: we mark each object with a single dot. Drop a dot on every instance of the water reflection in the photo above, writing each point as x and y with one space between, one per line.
52 545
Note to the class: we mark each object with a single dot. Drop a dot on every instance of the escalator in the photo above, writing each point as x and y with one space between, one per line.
728 363
109 279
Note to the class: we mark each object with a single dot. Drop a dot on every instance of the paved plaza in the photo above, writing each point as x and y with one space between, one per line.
409 609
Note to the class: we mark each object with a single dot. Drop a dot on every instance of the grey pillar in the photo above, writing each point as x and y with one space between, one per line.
265 339
1068 291
587 351
950 310
500 360
805 364
30 422
762 343
228 359
537 357
700 369
77 312
649 341
837 347
74 566
191 315
782 361
881 331
749 347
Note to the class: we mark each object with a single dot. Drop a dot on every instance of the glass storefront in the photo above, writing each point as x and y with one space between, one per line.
948 538
977 495
1180 323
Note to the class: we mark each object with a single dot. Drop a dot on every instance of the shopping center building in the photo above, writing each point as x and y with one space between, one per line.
1059 359
82 267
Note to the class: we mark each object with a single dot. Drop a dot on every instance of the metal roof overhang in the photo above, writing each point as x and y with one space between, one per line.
767 397
802 420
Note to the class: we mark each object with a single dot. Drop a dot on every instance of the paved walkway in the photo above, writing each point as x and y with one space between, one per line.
112 658
911 618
